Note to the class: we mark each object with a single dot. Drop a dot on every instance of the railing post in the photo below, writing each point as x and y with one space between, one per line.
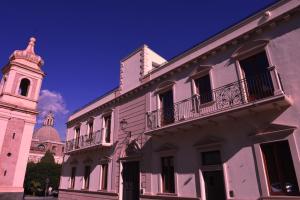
275 80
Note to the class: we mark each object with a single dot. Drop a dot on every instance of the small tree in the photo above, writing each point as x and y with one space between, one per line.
39 172
48 157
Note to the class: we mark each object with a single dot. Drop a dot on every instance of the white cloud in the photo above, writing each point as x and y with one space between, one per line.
51 101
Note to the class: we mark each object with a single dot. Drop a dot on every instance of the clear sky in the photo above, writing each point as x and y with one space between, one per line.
83 41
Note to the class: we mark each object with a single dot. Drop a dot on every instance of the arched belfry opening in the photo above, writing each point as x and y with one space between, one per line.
24 87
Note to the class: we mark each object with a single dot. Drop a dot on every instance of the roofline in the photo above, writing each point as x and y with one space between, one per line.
134 52
219 34
95 100
196 47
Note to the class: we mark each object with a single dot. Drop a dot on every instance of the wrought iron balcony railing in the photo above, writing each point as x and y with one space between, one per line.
84 141
248 90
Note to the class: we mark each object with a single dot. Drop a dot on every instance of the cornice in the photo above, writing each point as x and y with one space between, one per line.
18 108
14 63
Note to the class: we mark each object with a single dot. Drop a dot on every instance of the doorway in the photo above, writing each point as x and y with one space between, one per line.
167 107
214 185
131 180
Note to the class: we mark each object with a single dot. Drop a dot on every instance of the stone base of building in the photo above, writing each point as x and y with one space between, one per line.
11 195
281 197
86 195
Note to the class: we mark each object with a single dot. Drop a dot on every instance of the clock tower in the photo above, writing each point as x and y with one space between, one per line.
19 92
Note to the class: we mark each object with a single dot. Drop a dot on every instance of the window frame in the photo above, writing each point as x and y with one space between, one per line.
167 150
86 179
105 163
200 72
72 181
265 169
77 136
163 183
104 133
90 129
17 88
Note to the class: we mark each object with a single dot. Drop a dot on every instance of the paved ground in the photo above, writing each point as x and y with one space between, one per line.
39 198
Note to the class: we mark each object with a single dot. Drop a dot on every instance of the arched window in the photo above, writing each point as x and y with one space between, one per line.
41 147
24 87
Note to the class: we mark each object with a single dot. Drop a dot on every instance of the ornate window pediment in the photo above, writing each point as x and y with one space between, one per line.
250 47
164 86
200 71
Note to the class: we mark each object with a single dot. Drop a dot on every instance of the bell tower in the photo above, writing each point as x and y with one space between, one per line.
19 91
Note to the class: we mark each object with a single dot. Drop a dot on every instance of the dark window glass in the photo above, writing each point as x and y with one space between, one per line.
167 107
73 175
91 127
168 174
87 171
24 87
104 177
280 168
211 158
107 120
204 89
77 137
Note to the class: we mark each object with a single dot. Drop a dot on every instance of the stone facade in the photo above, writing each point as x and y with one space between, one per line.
19 92
219 121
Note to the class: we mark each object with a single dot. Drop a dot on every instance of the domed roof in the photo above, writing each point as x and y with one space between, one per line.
47 132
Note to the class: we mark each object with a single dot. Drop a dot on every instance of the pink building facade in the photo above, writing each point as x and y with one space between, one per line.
220 121
19 91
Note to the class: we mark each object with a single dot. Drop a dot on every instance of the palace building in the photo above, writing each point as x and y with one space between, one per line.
46 139
19 92
219 121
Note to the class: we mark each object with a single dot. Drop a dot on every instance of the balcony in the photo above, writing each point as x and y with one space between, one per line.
87 142
261 89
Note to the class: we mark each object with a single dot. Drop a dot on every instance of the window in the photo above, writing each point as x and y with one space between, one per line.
280 168
257 77
167 174
90 129
211 158
104 176
73 175
167 107
87 171
107 128
203 89
24 87
41 147
77 136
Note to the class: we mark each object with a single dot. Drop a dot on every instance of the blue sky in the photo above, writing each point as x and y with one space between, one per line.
83 41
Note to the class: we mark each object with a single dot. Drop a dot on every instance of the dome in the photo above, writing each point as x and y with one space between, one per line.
47 132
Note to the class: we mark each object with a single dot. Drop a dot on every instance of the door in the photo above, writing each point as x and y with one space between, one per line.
214 185
167 107
258 78
131 181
